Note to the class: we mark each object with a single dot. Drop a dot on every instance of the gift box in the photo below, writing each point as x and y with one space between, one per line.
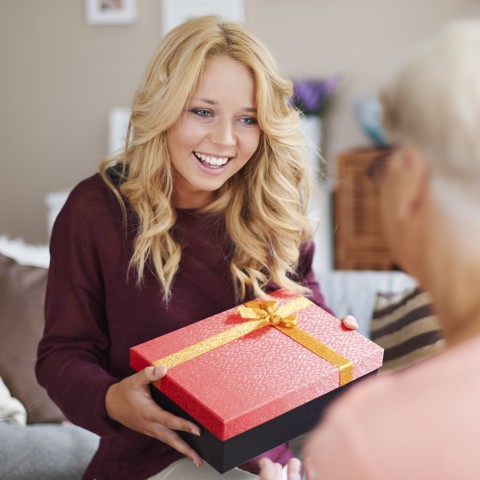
257 375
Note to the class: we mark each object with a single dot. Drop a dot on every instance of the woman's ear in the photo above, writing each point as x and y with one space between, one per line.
403 204
412 177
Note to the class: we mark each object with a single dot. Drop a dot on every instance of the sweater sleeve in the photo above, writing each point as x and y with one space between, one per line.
73 355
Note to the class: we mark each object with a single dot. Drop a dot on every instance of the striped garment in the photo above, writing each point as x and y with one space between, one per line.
404 325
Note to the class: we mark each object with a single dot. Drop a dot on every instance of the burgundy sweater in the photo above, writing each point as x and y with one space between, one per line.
94 313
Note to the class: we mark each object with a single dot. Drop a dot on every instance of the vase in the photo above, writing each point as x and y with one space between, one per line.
320 203
311 127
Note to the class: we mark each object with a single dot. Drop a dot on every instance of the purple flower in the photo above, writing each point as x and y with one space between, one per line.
312 96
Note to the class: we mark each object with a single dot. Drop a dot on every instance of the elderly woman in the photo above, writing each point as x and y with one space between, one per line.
423 422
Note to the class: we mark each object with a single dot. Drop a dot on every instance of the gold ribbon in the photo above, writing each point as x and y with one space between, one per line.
259 314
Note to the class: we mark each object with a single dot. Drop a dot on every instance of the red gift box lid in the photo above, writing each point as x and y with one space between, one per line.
258 376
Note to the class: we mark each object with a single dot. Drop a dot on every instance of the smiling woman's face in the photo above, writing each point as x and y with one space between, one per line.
218 133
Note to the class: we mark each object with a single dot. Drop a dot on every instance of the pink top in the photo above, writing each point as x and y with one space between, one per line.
423 422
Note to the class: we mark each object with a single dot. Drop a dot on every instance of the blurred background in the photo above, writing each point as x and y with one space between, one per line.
61 77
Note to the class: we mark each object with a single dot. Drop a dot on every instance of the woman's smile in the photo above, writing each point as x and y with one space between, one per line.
211 161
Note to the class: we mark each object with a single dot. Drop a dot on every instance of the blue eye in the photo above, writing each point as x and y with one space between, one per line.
201 112
249 121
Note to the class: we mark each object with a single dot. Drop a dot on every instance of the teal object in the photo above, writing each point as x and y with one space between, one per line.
368 113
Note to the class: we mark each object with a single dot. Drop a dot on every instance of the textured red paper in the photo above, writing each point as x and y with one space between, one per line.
256 378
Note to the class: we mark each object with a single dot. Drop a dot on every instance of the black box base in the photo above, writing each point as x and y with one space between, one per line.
225 455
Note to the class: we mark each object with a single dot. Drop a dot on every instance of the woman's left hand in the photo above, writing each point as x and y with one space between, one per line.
350 322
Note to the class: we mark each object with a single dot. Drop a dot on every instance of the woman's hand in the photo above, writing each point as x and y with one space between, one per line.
129 402
274 471
350 322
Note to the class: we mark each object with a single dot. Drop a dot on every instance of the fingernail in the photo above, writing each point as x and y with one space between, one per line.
160 370
195 431
197 462
352 320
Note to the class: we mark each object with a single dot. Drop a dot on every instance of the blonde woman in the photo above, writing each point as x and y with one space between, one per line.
205 208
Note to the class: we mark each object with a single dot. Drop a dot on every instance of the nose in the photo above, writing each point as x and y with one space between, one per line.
223 133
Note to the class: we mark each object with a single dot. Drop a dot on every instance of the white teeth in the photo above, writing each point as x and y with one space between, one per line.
211 160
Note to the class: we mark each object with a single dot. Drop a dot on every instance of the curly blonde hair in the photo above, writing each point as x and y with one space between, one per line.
264 205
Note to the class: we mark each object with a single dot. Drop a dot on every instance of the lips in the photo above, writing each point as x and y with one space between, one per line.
211 161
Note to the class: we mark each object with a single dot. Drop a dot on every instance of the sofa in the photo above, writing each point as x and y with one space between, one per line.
35 439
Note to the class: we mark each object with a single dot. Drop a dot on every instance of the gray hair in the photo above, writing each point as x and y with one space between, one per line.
434 103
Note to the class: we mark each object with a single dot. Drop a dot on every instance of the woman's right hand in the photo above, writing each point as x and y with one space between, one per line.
129 402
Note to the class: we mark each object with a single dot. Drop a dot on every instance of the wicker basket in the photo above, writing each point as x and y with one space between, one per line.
359 240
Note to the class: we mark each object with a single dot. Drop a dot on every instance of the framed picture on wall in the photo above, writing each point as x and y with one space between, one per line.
110 12
174 12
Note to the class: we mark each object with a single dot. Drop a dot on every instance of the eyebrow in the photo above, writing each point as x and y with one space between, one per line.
214 102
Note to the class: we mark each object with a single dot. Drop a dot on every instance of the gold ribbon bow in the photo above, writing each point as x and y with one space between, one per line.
259 314
269 311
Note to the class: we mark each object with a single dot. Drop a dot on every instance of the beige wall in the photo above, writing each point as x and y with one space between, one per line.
60 77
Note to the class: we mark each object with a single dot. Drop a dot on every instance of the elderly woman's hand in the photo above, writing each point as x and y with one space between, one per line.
274 471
